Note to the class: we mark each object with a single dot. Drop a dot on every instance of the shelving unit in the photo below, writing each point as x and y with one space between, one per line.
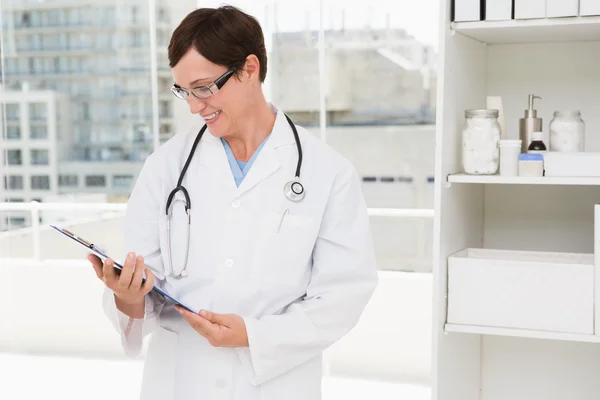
556 59
531 30
521 180
521 333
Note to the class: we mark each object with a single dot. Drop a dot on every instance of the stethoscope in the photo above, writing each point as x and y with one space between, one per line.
293 190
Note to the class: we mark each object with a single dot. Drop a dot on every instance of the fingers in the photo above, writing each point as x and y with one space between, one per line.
220 319
110 276
136 281
97 265
127 273
200 324
149 283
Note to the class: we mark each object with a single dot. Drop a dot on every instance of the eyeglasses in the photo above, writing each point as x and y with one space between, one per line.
203 92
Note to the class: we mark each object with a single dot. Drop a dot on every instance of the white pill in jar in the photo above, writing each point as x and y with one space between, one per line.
567 132
481 134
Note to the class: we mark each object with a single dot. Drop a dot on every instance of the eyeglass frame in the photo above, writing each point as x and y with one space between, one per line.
213 87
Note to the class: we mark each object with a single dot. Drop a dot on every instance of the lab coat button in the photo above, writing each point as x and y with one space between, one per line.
236 204
229 263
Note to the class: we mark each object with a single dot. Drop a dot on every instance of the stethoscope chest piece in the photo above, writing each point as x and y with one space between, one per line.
294 190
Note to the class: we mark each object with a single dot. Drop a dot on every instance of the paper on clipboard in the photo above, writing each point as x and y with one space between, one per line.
89 245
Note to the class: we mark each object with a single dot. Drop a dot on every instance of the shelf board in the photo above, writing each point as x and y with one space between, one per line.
524 333
532 30
523 180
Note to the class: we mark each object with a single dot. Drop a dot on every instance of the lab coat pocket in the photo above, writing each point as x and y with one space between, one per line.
284 248
158 382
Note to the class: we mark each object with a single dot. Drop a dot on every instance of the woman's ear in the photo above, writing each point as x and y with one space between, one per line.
252 68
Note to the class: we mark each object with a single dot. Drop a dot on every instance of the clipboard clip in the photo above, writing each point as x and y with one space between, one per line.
80 239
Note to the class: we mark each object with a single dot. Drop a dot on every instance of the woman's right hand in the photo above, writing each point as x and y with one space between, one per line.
127 286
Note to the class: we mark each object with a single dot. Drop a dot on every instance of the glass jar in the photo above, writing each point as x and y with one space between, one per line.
567 132
480 138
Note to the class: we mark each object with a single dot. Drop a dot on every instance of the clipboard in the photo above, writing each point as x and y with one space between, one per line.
118 267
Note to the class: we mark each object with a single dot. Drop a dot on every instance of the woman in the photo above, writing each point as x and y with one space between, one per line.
277 275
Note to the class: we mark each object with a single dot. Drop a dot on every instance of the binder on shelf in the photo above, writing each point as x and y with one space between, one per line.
468 10
528 9
499 10
562 8
589 7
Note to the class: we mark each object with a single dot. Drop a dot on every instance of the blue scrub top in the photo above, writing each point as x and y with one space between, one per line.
240 168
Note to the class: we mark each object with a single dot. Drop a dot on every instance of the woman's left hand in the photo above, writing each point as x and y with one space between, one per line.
221 330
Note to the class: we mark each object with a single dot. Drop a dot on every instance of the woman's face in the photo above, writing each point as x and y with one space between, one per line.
224 111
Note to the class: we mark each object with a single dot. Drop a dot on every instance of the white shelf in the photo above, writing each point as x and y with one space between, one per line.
523 333
523 180
532 30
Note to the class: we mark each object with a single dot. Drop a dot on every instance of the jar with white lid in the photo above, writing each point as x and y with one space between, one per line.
567 132
480 137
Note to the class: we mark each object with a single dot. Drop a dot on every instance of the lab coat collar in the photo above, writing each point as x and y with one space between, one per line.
265 164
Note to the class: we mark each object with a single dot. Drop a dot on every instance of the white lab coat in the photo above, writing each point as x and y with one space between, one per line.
300 274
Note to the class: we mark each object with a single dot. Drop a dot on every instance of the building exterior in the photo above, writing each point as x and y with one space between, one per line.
37 135
372 77
77 95
98 53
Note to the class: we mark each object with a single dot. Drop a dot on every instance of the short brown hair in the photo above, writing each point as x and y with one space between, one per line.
224 36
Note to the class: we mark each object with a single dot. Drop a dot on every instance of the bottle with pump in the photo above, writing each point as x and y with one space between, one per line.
529 124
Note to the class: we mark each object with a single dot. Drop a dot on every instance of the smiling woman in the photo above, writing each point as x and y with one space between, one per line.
274 277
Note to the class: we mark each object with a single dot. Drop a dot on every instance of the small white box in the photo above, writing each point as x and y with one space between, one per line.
525 9
589 7
562 8
572 164
467 10
544 291
498 10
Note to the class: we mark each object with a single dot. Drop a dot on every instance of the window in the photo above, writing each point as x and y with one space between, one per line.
13 157
68 180
39 132
13 132
95 181
134 14
84 111
37 111
163 16
136 39
165 109
13 182
40 182
39 157
12 112
165 129
54 17
12 66
16 221
123 181
25 19
32 66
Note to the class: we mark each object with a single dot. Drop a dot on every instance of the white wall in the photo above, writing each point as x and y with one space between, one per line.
55 307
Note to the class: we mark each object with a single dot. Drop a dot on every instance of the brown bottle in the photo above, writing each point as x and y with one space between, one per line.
537 143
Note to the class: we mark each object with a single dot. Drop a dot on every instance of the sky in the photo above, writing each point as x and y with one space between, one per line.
418 17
